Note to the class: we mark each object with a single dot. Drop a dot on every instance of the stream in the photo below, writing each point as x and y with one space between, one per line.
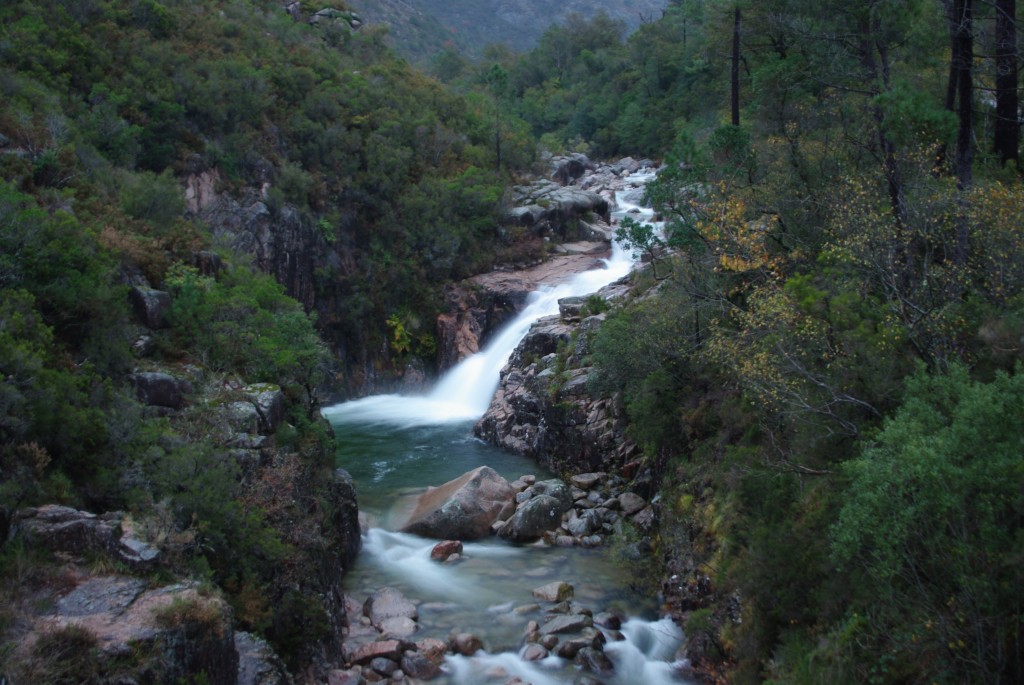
395 445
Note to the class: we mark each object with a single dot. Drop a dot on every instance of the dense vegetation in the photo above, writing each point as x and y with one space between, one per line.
106 109
827 373
830 326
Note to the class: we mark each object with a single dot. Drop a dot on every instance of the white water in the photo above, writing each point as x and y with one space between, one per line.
465 392
643 654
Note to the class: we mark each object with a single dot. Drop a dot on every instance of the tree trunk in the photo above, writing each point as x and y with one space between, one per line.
1006 136
736 67
963 41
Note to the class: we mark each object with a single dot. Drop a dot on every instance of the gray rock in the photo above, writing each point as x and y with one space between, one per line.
387 603
533 652
150 306
587 481
262 410
461 509
631 503
586 523
566 623
161 389
126 616
417 665
533 519
258 664
557 489
644 519
557 591
595 661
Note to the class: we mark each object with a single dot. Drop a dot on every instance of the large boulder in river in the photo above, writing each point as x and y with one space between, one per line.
461 509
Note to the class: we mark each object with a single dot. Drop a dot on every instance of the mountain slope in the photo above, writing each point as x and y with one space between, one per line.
420 28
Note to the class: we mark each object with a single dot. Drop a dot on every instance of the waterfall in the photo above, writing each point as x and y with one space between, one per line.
464 393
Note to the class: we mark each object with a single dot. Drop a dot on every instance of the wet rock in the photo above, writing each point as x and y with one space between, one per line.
461 509
388 603
568 649
433 649
533 519
443 550
526 609
417 665
466 644
258 664
595 661
566 623
157 389
533 652
606 619
557 591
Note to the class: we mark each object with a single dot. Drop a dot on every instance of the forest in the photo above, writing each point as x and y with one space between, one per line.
821 359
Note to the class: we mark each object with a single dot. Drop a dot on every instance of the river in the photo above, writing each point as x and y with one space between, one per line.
394 445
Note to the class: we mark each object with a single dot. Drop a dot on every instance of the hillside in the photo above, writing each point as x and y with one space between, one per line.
419 29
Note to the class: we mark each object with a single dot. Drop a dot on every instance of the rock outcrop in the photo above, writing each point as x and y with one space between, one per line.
167 634
543 409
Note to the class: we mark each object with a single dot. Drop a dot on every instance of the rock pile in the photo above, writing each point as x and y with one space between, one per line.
584 512
557 626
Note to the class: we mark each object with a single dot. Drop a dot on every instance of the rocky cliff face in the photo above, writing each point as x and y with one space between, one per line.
543 408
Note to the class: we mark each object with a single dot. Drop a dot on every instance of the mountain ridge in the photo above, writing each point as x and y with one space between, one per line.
419 29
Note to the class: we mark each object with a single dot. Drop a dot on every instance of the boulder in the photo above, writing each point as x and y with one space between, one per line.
587 481
461 509
417 665
566 623
443 550
388 649
262 411
534 518
466 644
571 168
388 603
533 652
150 306
631 503
558 591
158 389
594 661
586 523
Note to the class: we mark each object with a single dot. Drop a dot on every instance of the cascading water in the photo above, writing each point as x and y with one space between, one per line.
392 444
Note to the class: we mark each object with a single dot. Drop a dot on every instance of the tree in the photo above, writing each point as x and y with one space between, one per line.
1006 133
497 83
934 517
